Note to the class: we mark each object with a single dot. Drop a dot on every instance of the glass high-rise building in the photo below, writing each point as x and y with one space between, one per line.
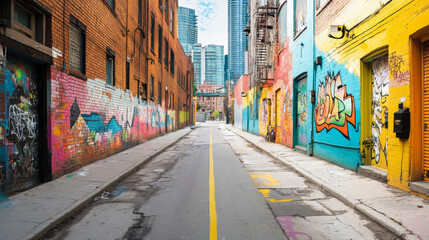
188 28
238 18
209 64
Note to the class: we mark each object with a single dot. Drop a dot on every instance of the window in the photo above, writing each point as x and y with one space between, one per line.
110 67
171 19
320 4
77 45
172 62
127 75
159 93
140 12
166 10
159 43
29 22
300 16
166 53
111 3
143 91
151 87
152 33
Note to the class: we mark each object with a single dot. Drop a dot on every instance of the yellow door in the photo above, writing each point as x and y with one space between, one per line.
278 115
426 110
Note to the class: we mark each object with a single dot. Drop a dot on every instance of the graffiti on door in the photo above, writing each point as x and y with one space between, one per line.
20 144
335 108
380 91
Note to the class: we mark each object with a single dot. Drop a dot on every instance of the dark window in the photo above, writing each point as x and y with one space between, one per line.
159 42
152 33
77 45
166 10
140 12
159 93
22 16
166 53
143 91
110 67
111 3
28 21
127 77
151 87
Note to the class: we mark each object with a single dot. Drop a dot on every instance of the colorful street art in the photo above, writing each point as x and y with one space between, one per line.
92 121
19 141
335 108
301 112
264 111
380 91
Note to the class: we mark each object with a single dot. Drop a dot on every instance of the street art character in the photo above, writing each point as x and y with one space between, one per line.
334 107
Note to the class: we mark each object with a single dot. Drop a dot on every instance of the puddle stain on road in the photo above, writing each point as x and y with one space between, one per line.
266 194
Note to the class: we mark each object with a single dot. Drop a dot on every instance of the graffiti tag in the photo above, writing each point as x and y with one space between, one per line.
3 53
334 107
395 63
22 124
380 91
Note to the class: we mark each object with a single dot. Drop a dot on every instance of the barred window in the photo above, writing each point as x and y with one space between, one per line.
77 45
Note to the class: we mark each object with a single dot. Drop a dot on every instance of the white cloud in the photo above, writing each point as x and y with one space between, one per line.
212 20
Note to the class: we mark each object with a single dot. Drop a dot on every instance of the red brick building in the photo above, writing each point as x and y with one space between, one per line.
211 104
81 80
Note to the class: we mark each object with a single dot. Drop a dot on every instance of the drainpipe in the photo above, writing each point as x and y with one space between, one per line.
311 149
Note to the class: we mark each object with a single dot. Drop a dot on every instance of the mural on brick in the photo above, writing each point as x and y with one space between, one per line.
379 110
335 108
19 136
90 121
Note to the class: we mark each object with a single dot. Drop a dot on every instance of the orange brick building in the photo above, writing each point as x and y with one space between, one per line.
81 80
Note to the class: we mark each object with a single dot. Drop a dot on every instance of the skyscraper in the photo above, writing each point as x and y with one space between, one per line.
209 64
188 28
238 18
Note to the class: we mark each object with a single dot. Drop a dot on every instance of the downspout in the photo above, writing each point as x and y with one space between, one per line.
64 36
311 149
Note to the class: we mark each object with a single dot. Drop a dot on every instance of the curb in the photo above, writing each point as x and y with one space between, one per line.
377 217
44 227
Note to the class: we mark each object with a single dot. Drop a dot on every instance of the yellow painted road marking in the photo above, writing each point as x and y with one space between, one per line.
266 194
213 215
264 179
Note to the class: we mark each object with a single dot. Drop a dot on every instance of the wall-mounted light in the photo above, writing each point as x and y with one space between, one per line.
318 61
244 94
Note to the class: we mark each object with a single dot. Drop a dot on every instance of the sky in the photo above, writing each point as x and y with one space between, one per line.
212 20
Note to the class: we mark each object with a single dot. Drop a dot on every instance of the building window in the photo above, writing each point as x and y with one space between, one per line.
152 33
110 67
29 22
300 16
172 62
77 45
320 4
171 19
159 93
140 12
143 91
127 75
166 53
159 43
111 3
166 10
151 88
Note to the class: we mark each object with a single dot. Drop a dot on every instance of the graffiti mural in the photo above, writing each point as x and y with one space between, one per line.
264 111
301 112
335 108
380 91
19 144
90 121
287 109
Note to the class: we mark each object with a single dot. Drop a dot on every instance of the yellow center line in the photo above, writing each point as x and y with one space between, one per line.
213 214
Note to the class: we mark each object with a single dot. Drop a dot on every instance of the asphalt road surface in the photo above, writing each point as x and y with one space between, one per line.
213 185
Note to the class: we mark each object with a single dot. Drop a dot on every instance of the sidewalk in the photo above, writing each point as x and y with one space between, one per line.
404 214
32 213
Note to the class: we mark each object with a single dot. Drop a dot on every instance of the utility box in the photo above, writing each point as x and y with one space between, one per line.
401 119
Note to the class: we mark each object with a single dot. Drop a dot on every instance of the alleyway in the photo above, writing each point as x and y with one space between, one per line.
169 198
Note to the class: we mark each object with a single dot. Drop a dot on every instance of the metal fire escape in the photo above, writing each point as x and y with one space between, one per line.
265 20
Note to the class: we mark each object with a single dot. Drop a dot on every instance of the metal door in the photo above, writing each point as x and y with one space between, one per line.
426 110
20 140
301 104
379 111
